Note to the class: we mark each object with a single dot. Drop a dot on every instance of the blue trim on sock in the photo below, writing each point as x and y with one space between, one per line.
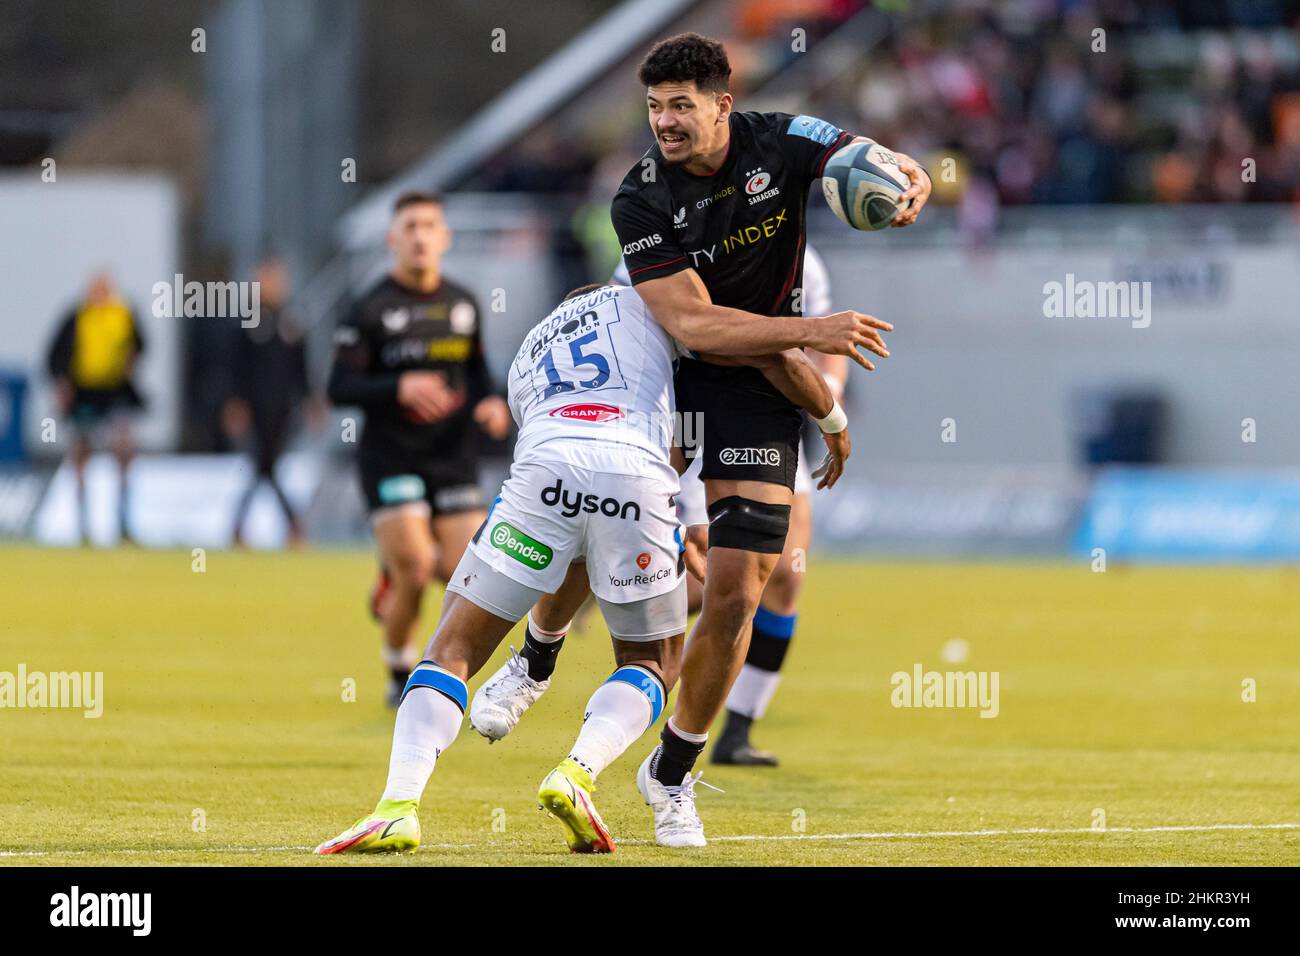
429 674
647 682
775 625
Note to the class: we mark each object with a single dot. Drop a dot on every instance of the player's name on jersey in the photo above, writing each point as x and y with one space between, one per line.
575 317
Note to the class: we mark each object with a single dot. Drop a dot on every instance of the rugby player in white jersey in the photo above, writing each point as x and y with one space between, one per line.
502 700
591 390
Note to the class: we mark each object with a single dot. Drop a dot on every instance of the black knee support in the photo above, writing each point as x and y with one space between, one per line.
748 525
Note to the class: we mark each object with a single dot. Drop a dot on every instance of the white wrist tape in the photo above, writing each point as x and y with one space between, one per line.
835 420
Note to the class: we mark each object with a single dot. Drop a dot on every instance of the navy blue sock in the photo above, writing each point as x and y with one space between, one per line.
676 758
540 656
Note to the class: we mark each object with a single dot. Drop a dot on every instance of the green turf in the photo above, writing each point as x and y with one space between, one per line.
1119 691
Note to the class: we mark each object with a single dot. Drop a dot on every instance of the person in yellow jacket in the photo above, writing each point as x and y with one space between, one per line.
91 360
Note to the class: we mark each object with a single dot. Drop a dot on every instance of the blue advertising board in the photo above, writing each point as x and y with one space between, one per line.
1176 515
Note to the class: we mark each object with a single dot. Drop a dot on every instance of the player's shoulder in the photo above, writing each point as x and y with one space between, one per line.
645 181
786 129
763 126
625 297
363 314
375 295
454 291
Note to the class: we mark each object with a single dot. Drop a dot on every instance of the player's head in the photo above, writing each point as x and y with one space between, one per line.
686 79
418 234
101 288
583 290
272 278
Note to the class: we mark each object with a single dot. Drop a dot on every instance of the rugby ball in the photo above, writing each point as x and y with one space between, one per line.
863 185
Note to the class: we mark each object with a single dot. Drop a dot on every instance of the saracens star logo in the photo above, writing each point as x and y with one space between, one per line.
758 182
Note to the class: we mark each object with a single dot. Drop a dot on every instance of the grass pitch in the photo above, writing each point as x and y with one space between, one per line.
226 737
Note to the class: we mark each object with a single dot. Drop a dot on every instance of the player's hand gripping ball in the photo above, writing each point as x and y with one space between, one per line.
863 185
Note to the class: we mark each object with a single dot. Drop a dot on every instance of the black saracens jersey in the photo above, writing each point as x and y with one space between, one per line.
742 227
392 329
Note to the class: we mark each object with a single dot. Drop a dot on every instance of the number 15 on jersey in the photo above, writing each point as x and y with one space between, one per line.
583 362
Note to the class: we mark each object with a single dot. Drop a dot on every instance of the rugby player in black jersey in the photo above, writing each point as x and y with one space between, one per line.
410 354
711 221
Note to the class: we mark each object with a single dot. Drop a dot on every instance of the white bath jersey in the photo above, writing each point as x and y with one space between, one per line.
597 369
591 389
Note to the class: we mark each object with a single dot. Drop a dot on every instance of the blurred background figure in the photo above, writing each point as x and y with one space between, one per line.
270 385
91 361
410 353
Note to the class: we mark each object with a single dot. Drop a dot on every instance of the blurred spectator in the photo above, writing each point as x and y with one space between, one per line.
270 381
1034 105
91 361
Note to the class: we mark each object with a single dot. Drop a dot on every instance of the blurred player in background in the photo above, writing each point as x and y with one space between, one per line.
91 360
270 384
411 355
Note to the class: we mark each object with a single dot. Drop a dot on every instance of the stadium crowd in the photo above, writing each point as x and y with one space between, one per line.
1041 101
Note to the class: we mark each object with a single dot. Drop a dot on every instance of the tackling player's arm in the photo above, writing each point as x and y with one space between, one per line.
794 375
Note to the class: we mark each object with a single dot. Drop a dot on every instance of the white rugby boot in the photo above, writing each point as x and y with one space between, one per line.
676 822
501 701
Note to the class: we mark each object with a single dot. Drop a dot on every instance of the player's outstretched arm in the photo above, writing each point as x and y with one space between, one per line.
800 380
794 375
681 304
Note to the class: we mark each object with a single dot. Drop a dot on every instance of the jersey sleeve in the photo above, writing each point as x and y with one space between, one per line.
808 142
353 379
646 236
137 333
478 376
59 359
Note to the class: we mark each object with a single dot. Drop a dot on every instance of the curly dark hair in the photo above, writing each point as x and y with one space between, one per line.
684 58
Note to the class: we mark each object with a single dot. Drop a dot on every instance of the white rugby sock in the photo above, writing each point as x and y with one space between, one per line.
398 658
620 711
546 637
752 691
427 723
686 735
